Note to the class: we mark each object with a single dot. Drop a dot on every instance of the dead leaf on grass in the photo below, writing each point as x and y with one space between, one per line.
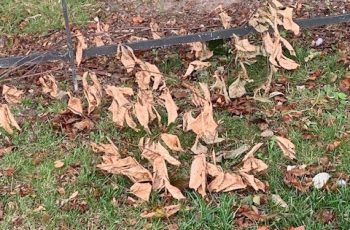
172 141
253 182
141 190
170 106
7 120
93 93
198 177
287 147
196 65
81 45
85 124
127 166
250 154
11 94
201 51
279 201
127 57
75 105
5 150
237 88
108 149
198 148
162 212
225 20
58 164
49 85
155 30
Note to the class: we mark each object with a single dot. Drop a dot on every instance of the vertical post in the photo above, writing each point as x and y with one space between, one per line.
70 45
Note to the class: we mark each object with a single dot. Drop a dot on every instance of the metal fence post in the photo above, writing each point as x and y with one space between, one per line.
70 45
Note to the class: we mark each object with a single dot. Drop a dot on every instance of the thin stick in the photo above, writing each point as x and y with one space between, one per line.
70 45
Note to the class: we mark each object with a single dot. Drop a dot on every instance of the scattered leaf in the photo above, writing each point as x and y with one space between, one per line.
170 106
108 149
141 190
5 150
58 164
196 65
237 88
11 94
75 105
49 85
162 212
7 120
93 93
172 141
279 201
80 47
225 20
287 147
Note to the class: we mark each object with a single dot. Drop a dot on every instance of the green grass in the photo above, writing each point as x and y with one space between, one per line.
40 144
37 17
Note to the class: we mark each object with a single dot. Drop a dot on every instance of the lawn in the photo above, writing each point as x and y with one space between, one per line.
35 194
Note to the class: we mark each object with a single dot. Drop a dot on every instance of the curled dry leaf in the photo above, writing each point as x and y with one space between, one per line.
172 141
157 155
253 182
75 105
149 71
80 47
127 166
49 85
223 181
85 124
198 148
232 154
163 212
58 164
11 94
279 201
220 84
155 30
250 154
121 106
237 88
127 57
225 20
196 65
93 93
253 165
273 48
7 120
287 147
108 149
201 51
5 150
141 190
145 110
287 20
170 106
198 177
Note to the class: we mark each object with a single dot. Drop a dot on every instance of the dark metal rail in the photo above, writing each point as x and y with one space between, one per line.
8 62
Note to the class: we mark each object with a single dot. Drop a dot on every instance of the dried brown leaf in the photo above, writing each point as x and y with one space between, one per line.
172 141
170 106
252 151
75 105
198 178
49 85
93 93
5 150
108 149
163 212
287 21
58 164
7 120
11 94
127 57
201 51
287 147
253 182
127 166
155 30
81 45
141 190
237 88
196 65
225 20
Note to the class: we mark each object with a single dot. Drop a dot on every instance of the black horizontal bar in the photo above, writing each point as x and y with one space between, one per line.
7 62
